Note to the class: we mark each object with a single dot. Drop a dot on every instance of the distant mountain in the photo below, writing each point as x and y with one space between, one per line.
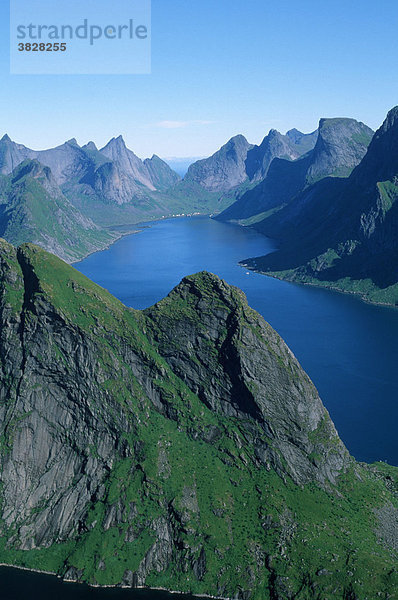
99 182
33 209
304 142
160 174
113 186
274 145
340 146
343 233
238 161
127 162
212 184
223 170
180 447
66 162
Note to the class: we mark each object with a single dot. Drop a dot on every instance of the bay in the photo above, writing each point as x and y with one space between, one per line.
349 348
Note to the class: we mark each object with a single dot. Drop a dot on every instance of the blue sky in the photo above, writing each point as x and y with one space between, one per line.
218 68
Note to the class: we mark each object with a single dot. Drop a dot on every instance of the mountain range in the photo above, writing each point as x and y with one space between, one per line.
327 197
181 447
214 183
110 186
103 188
340 145
341 233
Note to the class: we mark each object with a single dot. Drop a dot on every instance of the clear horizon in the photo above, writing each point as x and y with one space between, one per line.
218 69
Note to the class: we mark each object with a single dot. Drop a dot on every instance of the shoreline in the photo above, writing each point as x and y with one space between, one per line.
115 587
361 295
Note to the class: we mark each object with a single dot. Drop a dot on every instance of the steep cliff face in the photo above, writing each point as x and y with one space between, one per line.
223 170
181 447
343 233
339 146
238 162
237 378
273 145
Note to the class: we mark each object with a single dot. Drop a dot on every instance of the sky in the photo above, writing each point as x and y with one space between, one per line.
219 68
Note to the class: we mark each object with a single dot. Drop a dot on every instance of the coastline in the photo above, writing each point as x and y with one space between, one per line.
116 587
361 295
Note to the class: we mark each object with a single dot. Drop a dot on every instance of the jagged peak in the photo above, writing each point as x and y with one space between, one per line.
294 132
271 135
116 142
72 142
6 138
31 168
90 146
391 119
208 286
237 139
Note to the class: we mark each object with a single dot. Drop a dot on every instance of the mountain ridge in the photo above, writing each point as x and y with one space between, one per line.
146 472
34 209
340 145
347 227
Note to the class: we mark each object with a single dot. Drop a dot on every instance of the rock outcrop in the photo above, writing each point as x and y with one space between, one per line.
180 447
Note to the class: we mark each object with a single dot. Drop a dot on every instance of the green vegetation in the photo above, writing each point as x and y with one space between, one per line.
187 504
35 210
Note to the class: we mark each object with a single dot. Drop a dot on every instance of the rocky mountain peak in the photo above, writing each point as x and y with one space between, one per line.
294 134
381 160
90 146
274 133
223 170
115 142
341 145
32 168
274 145
237 143
238 139
391 120
204 302
5 138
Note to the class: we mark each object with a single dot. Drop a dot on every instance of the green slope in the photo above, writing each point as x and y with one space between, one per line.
181 447
33 209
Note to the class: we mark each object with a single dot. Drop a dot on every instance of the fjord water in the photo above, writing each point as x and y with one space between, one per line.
16 584
348 348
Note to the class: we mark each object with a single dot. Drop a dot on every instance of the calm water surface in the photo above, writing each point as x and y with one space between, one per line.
22 585
348 348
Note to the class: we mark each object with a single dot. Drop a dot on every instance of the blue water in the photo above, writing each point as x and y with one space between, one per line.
349 348
22 585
